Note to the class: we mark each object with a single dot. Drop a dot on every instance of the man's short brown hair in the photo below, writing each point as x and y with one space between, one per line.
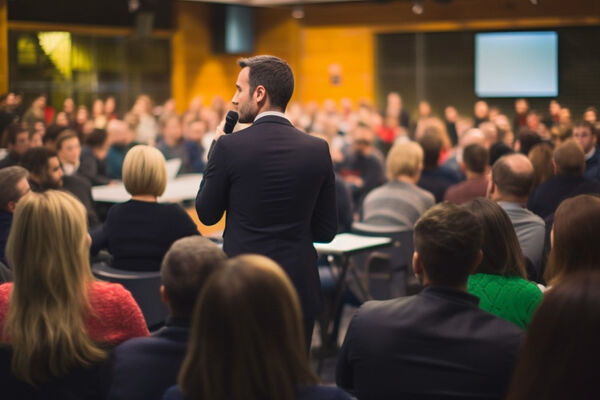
569 158
448 239
274 74
476 158
9 178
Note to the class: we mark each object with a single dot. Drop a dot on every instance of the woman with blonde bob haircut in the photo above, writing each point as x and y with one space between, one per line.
247 339
54 316
139 232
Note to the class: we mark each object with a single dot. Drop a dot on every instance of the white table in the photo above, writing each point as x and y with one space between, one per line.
184 187
346 244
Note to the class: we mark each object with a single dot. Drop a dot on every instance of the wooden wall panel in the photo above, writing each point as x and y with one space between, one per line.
3 47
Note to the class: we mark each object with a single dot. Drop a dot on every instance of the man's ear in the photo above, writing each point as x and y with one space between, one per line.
479 260
164 297
417 264
555 167
10 206
260 94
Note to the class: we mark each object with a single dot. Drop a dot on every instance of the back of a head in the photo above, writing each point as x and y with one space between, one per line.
541 158
35 160
502 254
513 175
560 352
97 138
569 158
274 74
9 178
527 139
12 131
448 239
47 250
404 159
185 269
144 171
576 230
247 337
431 142
476 158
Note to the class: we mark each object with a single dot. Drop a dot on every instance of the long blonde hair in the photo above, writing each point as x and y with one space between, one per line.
247 341
48 252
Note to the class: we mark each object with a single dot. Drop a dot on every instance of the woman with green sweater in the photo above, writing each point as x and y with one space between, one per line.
499 280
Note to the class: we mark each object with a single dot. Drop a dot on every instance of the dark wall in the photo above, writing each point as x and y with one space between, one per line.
442 70
88 12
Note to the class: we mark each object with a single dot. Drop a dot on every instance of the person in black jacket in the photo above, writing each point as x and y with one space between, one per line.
437 344
275 182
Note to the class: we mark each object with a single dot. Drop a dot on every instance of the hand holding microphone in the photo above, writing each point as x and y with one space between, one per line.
230 120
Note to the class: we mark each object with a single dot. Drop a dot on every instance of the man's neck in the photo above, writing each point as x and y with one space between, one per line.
408 179
522 201
472 175
265 113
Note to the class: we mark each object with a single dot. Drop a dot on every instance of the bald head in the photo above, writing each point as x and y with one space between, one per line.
472 136
512 176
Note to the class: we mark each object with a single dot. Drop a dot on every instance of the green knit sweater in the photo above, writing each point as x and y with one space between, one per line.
512 298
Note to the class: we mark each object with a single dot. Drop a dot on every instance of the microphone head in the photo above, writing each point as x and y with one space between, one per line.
230 120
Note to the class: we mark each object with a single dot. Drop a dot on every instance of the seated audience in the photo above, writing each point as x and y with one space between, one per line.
500 280
437 344
194 139
93 158
569 162
49 139
44 169
122 140
238 351
512 178
400 202
172 145
362 170
145 367
435 179
13 181
475 166
56 319
526 139
540 156
585 134
454 162
574 238
139 232
17 144
559 355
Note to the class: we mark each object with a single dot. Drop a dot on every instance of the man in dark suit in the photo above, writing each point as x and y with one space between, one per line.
275 182
145 367
437 344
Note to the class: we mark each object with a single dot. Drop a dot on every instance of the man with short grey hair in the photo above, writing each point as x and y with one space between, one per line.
145 367
14 184
511 183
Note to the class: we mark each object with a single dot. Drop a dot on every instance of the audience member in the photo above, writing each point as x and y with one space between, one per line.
51 135
395 107
500 280
238 351
147 127
585 134
17 141
526 139
541 156
122 140
44 169
462 351
56 318
8 112
454 162
475 166
68 149
362 169
172 145
511 183
194 145
434 179
559 353
145 367
569 166
481 113
36 112
574 238
450 118
93 158
13 181
139 232
521 110
400 202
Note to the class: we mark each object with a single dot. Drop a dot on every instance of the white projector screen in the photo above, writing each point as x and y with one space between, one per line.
516 64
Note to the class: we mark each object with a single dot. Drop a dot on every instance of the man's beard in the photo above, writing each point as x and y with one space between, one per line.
50 184
247 113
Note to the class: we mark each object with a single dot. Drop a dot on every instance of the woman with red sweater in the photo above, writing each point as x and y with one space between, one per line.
56 321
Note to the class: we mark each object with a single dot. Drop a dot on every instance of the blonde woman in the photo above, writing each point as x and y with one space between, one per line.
55 317
247 339
139 232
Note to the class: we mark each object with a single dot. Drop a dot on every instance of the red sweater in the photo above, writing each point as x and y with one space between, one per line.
117 315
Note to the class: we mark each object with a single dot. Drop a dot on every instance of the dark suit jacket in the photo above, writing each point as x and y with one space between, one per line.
436 345
145 367
546 197
278 188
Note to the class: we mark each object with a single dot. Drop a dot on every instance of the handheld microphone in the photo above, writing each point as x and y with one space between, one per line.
230 120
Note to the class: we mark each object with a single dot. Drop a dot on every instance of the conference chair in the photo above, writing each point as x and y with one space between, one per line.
387 272
144 287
